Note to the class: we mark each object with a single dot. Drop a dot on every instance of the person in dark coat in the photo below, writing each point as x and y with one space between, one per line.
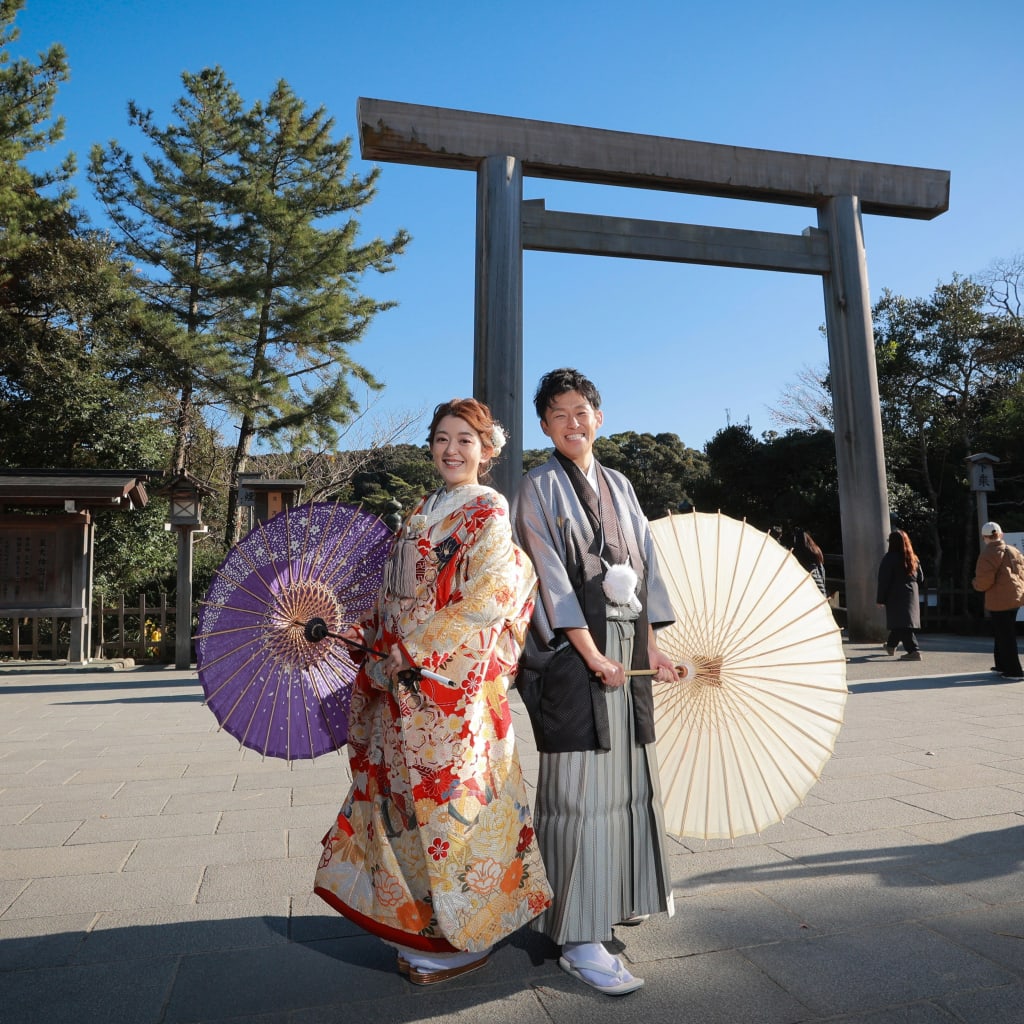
898 578
809 555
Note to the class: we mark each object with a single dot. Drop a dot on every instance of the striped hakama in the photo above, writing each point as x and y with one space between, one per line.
600 824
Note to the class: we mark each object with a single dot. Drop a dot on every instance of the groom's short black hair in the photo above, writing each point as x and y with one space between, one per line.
558 382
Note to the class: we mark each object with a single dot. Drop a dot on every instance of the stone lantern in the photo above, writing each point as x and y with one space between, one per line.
185 496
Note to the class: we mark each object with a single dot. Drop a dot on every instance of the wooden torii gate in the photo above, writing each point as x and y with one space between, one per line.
501 150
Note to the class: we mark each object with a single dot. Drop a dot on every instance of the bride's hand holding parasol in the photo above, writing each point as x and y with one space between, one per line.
395 664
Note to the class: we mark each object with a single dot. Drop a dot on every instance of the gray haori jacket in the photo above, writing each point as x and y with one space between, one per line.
567 707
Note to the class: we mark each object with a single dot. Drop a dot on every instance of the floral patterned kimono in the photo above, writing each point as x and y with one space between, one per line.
434 846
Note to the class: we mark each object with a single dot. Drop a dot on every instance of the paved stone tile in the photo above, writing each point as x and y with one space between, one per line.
42 834
712 988
924 1012
48 862
838 903
974 835
957 755
849 855
15 814
874 968
98 994
231 983
153 854
990 1005
328 794
994 878
33 943
173 931
9 891
30 793
872 747
311 817
863 815
299 781
257 879
149 826
83 810
967 803
181 803
34 775
305 842
708 923
961 776
840 767
995 932
884 850
75 894
782 831
693 873
865 787
130 769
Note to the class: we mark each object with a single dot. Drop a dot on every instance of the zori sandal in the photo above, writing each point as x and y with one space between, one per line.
620 982
423 976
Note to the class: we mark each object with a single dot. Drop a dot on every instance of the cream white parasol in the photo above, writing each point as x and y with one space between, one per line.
743 738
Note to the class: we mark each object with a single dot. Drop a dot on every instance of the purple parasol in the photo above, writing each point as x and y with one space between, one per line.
274 683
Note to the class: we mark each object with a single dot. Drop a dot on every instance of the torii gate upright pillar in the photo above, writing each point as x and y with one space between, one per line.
860 457
498 322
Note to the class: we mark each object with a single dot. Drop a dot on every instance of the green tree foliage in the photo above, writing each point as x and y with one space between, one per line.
71 392
74 392
950 373
401 474
245 220
659 466
173 220
73 388
27 126
71 395
785 480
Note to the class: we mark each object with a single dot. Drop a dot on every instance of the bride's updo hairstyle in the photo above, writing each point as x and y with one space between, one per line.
478 416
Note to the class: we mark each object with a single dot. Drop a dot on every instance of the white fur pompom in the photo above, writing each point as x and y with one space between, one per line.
620 586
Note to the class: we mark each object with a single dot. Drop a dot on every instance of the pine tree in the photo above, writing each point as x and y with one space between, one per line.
296 267
173 220
27 125
247 224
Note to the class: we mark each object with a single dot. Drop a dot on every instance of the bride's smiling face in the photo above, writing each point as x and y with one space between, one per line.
457 452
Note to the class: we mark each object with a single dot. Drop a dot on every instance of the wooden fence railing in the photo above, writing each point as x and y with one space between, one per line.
31 638
142 631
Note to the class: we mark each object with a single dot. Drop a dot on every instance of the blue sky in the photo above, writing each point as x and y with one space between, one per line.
672 347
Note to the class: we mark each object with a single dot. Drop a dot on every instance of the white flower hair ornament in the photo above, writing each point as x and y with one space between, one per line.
498 439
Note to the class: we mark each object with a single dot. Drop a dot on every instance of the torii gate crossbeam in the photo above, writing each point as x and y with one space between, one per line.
503 149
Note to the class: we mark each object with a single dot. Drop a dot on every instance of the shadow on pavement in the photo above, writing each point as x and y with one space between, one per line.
982 855
926 683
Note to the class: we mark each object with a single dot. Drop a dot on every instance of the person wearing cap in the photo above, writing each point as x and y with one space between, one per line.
1000 575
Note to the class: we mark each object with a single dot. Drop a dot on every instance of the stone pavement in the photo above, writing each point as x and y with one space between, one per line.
152 872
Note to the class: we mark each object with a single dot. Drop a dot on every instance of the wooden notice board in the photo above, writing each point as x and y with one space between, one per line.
43 564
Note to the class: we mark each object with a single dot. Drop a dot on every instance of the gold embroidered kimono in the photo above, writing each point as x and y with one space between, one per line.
434 846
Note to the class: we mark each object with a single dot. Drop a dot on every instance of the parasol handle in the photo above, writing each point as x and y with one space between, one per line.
686 669
316 630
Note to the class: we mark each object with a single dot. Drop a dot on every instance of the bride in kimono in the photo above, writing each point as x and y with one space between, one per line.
433 849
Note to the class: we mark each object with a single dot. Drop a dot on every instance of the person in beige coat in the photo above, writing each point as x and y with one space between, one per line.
998 574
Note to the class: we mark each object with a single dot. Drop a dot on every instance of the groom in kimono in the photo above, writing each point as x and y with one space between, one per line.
598 811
